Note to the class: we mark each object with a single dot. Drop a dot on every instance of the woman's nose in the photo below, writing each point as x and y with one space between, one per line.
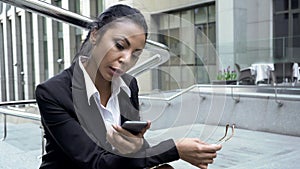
125 57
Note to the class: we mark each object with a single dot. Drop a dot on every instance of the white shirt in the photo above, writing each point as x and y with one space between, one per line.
110 113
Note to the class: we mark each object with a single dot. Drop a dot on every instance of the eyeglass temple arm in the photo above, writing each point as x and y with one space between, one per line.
222 140
226 130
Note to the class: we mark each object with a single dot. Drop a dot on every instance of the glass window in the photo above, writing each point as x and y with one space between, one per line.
296 24
212 13
295 4
206 38
1 7
11 87
78 39
99 6
32 57
200 15
187 46
296 37
186 16
286 29
174 20
212 33
57 3
281 25
163 22
163 38
60 42
2 68
78 32
280 34
174 46
201 43
281 5
45 49
8 7
77 7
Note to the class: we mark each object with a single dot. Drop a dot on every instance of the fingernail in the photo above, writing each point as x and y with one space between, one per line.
114 126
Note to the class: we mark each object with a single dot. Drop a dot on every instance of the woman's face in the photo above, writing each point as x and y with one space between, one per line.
119 48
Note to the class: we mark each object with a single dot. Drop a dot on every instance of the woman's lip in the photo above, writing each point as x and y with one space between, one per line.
116 71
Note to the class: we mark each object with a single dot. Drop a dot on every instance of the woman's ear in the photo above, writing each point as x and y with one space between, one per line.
93 36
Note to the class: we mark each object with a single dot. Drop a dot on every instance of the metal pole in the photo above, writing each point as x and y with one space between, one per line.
8 103
54 12
4 128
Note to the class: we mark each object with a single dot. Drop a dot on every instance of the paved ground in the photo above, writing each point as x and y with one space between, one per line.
246 150
21 148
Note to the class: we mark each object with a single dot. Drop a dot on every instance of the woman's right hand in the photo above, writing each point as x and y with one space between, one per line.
197 152
124 141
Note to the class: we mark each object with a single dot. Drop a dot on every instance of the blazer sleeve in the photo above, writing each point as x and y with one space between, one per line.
62 127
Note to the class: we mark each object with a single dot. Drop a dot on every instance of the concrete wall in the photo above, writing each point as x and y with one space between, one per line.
259 114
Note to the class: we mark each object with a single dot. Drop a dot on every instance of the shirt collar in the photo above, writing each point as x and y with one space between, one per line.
117 84
91 89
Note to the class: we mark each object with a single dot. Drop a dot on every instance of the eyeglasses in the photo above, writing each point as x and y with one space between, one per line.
225 137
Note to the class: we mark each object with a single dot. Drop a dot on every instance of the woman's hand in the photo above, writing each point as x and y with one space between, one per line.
197 152
124 141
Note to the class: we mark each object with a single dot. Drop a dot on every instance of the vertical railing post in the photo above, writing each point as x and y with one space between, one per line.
4 128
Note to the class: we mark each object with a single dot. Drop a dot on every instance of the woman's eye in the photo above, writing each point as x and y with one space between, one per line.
119 46
136 54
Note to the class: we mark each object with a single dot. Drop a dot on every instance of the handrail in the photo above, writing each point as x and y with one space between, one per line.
8 103
157 44
171 97
147 64
259 94
19 114
24 115
52 11
142 67
15 113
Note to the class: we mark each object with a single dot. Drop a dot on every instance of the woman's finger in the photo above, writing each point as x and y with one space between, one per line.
136 139
207 161
119 143
202 166
119 129
132 143
145 129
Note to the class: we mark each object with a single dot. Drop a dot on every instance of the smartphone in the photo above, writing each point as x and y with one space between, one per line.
134 127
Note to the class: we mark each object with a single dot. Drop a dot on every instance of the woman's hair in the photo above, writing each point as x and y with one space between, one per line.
108 16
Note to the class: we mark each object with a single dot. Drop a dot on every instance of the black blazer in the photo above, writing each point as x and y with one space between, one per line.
75 131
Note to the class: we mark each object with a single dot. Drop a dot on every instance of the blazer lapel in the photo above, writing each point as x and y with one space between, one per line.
88 115
127 110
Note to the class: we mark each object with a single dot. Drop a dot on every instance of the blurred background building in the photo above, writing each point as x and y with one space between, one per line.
204 37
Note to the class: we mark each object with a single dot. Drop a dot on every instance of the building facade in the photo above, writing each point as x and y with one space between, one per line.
204 37
35 48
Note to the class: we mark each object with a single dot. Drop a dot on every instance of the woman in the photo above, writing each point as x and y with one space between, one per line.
83 107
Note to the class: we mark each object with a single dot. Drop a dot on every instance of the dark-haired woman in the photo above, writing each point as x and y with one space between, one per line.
83 107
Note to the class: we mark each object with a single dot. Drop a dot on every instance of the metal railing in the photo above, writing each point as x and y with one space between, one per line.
243 91
8 112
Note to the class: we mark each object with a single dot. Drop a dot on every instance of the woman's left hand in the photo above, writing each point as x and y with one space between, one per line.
124 141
